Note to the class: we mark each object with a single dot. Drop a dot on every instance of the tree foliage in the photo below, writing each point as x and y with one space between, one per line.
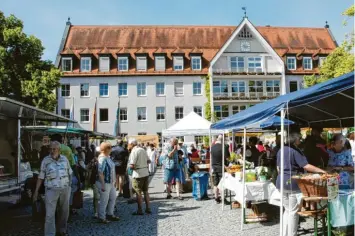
24 76
339 62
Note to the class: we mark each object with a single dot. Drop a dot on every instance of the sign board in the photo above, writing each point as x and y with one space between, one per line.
46 140
146 139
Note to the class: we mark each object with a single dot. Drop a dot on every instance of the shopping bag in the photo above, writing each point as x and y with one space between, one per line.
78 199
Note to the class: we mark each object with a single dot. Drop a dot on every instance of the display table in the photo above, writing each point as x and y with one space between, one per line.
203 167
254 191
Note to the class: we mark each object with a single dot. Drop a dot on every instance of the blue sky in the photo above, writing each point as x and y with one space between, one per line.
46 18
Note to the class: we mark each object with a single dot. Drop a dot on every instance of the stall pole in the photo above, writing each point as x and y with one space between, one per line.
233 140
243 179
282 170
223 171
210 146
19 147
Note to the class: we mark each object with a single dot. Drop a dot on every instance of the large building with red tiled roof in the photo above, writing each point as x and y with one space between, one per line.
155 73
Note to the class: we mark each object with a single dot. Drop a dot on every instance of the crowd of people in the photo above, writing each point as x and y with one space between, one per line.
107 170
124 170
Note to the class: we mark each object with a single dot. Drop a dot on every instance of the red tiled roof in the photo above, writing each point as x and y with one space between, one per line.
207 40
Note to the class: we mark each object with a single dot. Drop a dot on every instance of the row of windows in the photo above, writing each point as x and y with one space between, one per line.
253 64
242 88
222 111
141 89
307 63
141 114
123 63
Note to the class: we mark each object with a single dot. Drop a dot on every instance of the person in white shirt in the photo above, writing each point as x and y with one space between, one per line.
138 162
152 155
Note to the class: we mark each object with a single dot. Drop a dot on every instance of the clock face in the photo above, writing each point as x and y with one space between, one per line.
245 46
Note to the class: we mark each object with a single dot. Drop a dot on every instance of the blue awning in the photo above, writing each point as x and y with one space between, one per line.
329 104
274 122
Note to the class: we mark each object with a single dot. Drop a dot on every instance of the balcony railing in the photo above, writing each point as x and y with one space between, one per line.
242 72
245 96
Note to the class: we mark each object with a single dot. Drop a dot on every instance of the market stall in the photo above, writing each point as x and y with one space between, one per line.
314 106
12 115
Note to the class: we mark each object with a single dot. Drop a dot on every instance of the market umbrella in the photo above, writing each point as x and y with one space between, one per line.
274 122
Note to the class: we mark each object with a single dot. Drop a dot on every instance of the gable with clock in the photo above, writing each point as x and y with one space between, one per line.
245 46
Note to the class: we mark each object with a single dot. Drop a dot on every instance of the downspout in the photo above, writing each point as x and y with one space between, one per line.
211 92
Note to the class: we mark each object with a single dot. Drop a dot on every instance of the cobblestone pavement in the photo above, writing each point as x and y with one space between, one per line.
170 218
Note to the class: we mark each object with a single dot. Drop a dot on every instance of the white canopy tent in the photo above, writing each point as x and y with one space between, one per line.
191 125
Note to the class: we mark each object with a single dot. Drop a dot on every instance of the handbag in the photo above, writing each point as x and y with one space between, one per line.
78 199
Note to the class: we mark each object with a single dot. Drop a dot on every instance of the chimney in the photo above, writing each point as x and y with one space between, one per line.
326 25
68 22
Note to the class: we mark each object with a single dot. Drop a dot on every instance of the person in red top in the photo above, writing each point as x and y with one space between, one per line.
260 146
194 152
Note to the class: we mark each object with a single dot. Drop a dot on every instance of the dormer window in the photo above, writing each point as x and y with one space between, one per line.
67 64
245 34
85 64
178 63
196 63
104 64
307 63
159 63
141 63
122 63
321 61
291 63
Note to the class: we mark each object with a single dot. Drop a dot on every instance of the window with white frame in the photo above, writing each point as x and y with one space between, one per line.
254 64
85 64
84 90
141 63
238 108
237 64
84 115
122 63
179 113
103 115
196 63
103 90
220 88
141 89
160 89
65 90
66 113
123 114
160 63
179 88
198 110
197 88
321 61
104 64
238 88
178 63
67 64
256 88
272 88
122 89
160 113
141 113
291 63
221 111
307 63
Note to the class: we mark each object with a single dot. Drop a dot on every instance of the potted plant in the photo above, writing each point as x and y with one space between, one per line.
262 174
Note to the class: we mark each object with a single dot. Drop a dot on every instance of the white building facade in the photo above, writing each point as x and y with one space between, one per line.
155 74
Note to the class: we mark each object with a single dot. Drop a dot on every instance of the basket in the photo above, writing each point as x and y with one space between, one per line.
316 187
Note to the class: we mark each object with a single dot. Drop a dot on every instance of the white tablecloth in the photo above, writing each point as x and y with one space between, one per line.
254 191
